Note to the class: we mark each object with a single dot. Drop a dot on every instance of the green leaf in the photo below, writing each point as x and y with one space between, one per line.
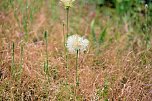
93 32
102 35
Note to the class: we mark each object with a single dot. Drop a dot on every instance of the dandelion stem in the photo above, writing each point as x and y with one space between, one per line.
67 9
66 66
66 56
77 82
66 51
64 36
76 77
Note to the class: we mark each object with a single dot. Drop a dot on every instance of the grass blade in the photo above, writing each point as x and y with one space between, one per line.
93 32
102 35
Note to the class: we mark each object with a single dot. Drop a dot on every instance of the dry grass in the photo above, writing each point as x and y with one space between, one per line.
126 71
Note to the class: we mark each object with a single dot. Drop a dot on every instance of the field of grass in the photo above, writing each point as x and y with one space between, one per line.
35 64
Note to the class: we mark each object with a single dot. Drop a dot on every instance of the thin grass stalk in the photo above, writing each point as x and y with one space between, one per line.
25 22
44 66
21 60
76 76
13 60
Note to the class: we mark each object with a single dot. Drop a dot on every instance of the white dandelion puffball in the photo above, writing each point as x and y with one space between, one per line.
67 3
75 42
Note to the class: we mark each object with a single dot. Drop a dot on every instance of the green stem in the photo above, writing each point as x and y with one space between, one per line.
77 81
147 35
26 22
64 37
46 67
66 65
21 61
67 21
13 64
66 51
66 56
76 78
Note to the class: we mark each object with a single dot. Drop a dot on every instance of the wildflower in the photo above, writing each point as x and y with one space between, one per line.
67 3
76 43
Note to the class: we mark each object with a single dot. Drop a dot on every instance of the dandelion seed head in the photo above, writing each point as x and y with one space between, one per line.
75 42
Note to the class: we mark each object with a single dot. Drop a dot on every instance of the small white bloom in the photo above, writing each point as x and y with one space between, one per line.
67 3
75 42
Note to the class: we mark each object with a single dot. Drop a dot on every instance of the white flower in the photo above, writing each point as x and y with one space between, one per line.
75 42
67 3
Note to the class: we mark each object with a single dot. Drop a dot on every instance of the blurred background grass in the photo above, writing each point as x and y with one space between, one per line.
118 65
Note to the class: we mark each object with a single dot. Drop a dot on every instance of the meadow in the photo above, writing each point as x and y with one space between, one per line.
78 50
